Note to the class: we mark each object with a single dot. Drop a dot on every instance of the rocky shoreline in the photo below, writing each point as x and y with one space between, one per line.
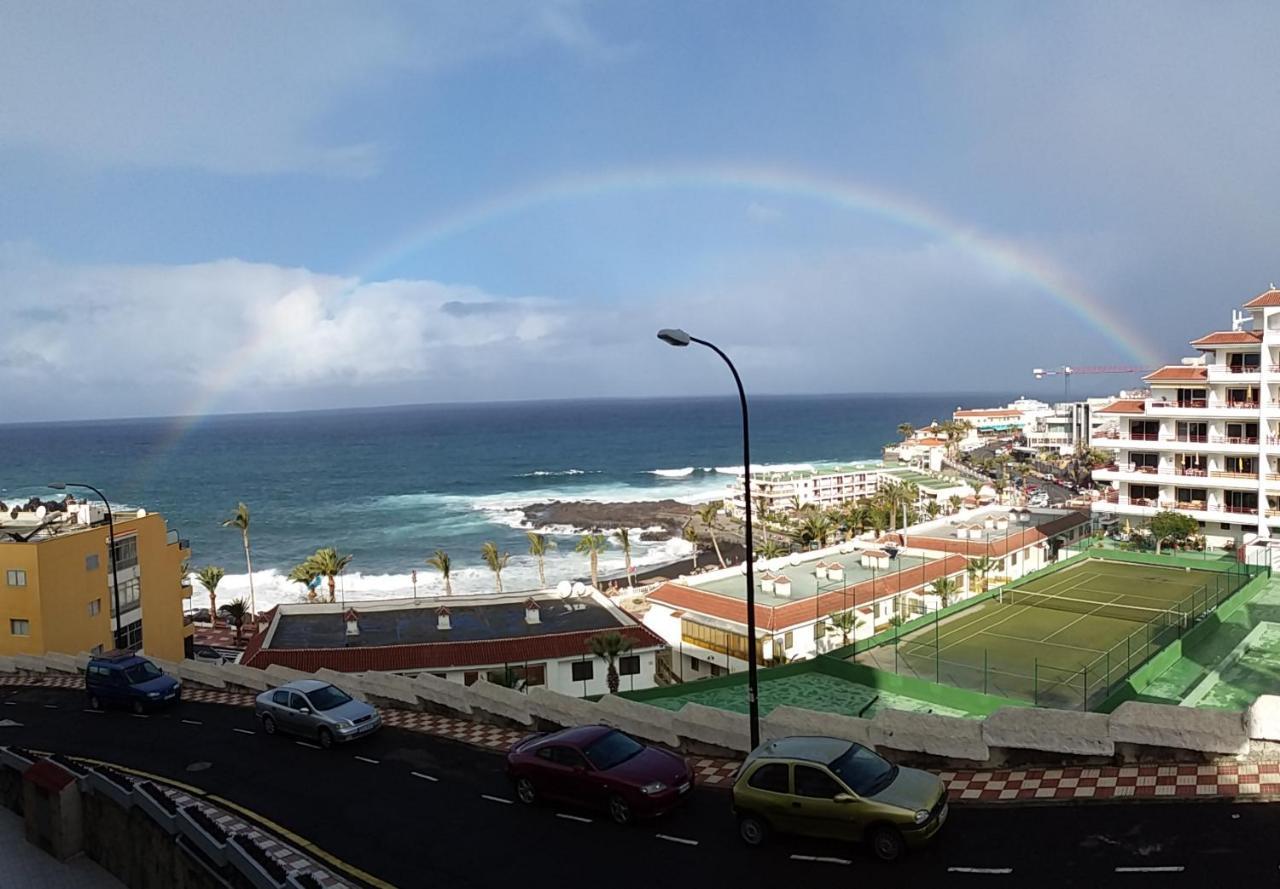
669 515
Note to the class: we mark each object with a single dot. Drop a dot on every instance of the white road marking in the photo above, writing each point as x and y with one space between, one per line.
140 715
244 731
51 706
670 839
192 722
367 759
91 710
9 723
11 703
1166 869
979 870
495 799
821 859
308 744
424 777
578 818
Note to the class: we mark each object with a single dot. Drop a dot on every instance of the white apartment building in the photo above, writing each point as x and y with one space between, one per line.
785 492
1206 440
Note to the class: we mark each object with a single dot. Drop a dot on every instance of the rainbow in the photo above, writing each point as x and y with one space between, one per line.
1016 261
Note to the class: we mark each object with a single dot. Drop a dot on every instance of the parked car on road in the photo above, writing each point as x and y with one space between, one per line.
600 768
124 679
315 710
834 789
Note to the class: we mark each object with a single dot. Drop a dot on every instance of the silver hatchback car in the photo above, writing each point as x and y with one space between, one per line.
316 710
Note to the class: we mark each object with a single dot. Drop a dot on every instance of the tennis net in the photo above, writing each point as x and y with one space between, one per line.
1160 617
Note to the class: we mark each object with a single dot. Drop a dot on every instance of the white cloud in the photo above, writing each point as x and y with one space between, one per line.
238 88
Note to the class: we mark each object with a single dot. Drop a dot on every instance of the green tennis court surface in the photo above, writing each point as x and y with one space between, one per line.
1064 638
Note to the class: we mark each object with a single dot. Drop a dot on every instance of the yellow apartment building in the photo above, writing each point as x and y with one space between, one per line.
56 583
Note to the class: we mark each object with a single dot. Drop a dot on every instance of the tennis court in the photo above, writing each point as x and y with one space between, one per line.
1062 638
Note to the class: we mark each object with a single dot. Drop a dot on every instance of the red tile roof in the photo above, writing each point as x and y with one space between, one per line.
1123 406
1230 338
1007 544
443 655
1179 373
775 618
1267 300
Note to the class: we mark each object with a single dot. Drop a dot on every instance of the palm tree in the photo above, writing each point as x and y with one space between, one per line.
815 528
305 573
932 508
439 560
980 568
956 502
237 611
610 646
762 516
539 546
944 588
624 539
707 515
329 564
906 430
495 560
846 622
690 534
771 549
593 545
210 576
240 520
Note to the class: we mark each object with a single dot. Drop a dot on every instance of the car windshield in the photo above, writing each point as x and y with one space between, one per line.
864 772
611 750
328 697
143 672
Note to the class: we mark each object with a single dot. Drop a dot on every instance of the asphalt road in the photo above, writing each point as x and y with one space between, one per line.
454 823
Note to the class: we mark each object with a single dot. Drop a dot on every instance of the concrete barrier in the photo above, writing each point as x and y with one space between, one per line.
1051 731
1264 718
645 721
1179 728
30 662
61 663
169 667
351 683
441 694
946 737
501 702
82 660
278 675
390 690
201 674
560 710
248 678
8 664
705 729
788 721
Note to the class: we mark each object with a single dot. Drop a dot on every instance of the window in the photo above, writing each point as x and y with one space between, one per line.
15 577
97 649
296 701
19 627
470 677
583 671
629 665
771 777
612 749
863 770
130 595
329 697
132 634
95 607
281 698
694 664
126 552
788 640
143 672
91 562
1013 559
715 670
816 783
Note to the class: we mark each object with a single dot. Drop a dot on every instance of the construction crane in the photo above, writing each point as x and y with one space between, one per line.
1067 372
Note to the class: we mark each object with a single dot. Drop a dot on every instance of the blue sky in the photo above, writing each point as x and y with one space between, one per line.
202 204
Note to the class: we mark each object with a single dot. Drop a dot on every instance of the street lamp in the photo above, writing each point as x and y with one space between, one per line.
111 536
677 337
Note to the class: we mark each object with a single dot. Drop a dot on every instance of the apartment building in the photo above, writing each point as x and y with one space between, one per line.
785 492
1206 440
56 591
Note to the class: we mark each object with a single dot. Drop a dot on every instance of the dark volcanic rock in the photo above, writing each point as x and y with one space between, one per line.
671 515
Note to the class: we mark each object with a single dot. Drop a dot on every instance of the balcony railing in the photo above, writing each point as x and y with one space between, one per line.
1197 505
1186 438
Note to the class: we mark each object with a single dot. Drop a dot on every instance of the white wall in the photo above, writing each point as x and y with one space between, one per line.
560 674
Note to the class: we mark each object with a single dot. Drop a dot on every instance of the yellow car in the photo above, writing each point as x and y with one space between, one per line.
834 789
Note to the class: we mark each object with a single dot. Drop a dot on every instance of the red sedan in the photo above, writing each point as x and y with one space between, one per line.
601 768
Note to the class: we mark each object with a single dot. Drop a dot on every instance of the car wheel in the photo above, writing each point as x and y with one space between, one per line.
268 725
139 708
526 791
753 830
886 843
620 810
325 737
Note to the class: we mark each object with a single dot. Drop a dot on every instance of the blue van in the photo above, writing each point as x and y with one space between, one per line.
123 679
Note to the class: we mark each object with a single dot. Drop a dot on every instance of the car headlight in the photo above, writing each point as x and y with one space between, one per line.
922 816
653 787
153 694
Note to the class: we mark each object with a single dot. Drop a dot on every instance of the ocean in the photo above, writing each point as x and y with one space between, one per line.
391 485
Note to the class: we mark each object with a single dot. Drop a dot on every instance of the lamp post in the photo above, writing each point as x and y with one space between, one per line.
111 555
677 337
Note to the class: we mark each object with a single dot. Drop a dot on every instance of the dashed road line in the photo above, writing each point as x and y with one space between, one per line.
11 703
1155 869
821 859
140 715
495 799
308 744
368 760
682 840
91 710
51 706
979 870
192 722
577 818
425 777
244 731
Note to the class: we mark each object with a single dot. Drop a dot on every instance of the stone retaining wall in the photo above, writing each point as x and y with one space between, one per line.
1135 732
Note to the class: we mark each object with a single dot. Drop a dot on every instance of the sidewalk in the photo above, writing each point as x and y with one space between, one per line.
1226 780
